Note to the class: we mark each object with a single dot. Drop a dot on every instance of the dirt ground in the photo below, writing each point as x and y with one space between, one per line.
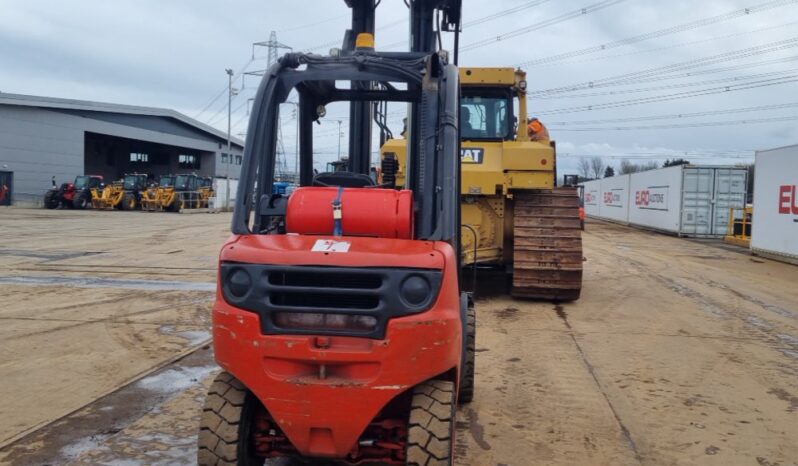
680 352
93 300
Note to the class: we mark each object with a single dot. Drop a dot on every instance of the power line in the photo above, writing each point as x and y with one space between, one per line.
685 125
669 47
542 24
674 116
676 96
668 77
475 22
655 156
658 72
662 32
672 86
222 92
503 13
305 26
338 42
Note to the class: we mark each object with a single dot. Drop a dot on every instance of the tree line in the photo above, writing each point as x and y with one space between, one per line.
595 168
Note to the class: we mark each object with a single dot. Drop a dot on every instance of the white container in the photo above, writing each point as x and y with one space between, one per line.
225 193
684 200
775 224
591 197
655 198
615 198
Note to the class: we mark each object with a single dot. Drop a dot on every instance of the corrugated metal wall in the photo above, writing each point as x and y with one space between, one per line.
37 144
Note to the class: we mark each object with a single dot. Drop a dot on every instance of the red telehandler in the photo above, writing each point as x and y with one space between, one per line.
72 195
340 322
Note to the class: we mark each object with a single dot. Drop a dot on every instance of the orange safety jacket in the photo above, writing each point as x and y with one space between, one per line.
537 131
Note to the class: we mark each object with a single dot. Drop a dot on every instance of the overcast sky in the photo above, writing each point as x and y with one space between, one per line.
173 54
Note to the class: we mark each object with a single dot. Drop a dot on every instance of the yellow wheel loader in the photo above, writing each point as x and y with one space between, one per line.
156 197
205 191
183 193
513 214
124 194
109 196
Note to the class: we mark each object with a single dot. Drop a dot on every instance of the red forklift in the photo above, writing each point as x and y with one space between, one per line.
340 321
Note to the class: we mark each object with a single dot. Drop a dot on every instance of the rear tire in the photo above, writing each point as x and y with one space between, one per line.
224 434
466 393
430 433
50 200
82 201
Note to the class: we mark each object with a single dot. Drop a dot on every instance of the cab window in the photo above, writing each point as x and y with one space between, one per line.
484 117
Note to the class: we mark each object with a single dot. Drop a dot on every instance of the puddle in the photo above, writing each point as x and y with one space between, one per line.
92 282
195 337
155 449
84 444
93 429
175 380
757 322
792 344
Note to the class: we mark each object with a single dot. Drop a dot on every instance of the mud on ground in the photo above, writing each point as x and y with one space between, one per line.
679 353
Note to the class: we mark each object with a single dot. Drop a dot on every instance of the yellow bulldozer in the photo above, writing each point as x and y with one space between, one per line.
513 214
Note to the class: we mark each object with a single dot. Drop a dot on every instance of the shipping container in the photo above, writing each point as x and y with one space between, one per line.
591 197
685 200
655 198
775 228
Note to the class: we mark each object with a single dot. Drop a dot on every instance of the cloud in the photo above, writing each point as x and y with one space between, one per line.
173 54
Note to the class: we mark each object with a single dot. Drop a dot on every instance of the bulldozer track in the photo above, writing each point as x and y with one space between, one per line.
547 244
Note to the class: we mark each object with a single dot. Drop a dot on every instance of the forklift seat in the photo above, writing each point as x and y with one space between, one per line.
343 179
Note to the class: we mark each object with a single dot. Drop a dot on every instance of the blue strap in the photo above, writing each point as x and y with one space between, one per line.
338 216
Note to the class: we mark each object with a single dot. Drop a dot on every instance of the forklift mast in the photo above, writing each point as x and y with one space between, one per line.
423 38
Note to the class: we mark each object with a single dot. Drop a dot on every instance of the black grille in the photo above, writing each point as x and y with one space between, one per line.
324 300
359 281
306 292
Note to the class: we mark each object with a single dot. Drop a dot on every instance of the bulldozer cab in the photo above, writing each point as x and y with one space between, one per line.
493 106
486 115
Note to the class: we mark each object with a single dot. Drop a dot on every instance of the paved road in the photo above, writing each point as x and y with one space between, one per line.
680 352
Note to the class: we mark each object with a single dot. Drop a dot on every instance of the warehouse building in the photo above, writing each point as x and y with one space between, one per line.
44 137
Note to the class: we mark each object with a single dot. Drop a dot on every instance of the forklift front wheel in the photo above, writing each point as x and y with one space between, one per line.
225 424
430 433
